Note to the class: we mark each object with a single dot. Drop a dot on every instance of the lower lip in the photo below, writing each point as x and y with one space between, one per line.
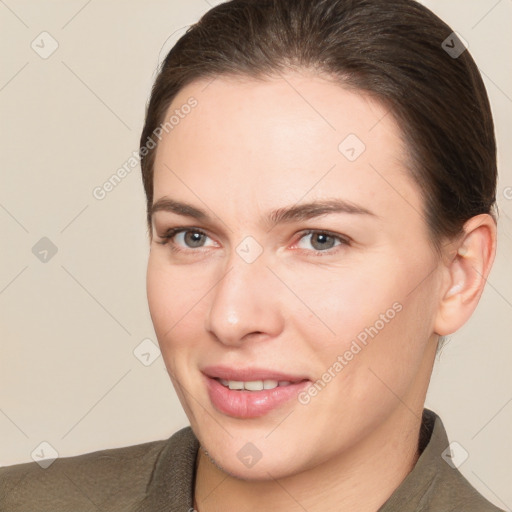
250 404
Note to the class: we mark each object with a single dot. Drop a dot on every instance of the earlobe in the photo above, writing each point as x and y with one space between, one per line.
466 274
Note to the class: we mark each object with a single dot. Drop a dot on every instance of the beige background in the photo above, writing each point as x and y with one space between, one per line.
69 327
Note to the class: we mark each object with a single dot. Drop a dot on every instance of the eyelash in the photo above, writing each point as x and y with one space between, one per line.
171 233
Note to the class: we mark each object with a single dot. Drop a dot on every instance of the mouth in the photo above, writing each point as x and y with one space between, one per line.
254 385
250 393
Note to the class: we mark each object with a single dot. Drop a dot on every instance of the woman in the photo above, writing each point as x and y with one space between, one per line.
320 179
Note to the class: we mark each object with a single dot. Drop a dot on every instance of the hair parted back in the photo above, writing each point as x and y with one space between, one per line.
389 49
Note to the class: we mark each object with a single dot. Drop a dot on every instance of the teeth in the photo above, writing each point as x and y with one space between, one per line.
253 385
270 384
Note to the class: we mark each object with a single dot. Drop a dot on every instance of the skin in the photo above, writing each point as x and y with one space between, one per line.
252 146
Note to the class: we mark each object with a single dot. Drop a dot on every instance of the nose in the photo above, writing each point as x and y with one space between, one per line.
245 303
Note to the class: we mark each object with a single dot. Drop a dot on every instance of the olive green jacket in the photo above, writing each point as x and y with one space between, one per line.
159 476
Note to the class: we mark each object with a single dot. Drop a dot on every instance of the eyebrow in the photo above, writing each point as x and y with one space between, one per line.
294 213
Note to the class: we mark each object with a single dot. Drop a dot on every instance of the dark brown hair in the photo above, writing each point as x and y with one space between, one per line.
395 50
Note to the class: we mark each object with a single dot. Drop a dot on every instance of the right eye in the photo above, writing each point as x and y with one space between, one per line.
184 238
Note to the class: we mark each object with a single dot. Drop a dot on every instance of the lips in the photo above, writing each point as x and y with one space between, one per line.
250 374
237 392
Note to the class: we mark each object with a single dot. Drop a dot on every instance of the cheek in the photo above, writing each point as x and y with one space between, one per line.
369 317
166 300
175 305
160 301
342 302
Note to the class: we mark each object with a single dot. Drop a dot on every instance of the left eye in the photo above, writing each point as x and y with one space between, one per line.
320 241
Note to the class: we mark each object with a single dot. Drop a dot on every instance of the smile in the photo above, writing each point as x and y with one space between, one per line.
251 398
253 385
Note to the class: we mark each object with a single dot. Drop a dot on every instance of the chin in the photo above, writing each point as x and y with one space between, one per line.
244 460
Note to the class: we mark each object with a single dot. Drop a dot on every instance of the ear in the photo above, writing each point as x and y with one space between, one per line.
465 273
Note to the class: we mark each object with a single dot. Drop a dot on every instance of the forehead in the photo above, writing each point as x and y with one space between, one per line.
281 139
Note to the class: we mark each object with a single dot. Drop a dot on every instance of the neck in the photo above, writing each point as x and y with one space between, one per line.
379 463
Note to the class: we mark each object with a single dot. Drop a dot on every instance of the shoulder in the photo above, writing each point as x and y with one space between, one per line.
436 483
451 486
111 479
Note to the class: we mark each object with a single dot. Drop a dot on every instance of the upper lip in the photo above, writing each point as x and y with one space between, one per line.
249 374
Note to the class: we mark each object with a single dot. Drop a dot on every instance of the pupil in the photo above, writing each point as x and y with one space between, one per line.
322 238
193 238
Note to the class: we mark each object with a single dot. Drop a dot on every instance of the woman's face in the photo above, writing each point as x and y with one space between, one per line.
266 286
